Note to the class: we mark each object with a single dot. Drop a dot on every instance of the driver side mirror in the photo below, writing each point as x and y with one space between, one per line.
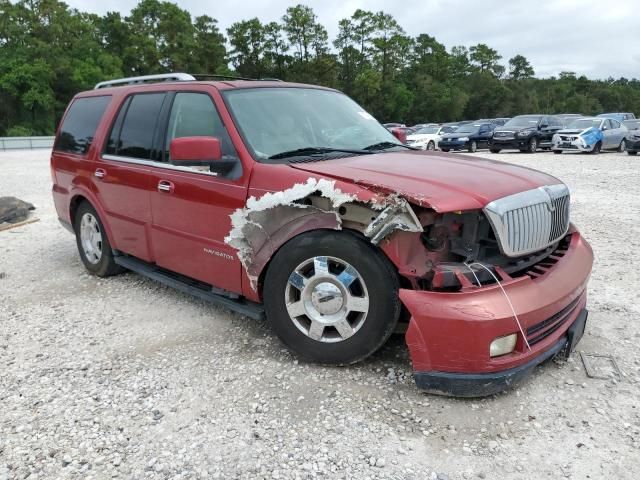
604 127
195 151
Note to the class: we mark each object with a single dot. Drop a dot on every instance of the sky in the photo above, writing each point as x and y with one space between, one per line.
596 38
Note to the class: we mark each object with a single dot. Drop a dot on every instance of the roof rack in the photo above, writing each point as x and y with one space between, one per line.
166 77
173 77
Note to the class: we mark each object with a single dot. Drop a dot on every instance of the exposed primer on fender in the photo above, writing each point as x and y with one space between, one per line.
255 227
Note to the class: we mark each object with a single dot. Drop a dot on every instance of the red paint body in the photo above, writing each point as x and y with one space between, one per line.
448 332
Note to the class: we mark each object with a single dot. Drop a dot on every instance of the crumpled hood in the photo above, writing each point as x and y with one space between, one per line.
443 182
572 131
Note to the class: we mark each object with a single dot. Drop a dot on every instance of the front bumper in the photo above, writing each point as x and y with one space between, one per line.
449 333
633 145
571 146
448 145
518 143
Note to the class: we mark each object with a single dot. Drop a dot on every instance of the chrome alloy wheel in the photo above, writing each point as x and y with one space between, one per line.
327 299
91 238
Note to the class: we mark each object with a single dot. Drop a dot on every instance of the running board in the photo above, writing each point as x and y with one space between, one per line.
192 287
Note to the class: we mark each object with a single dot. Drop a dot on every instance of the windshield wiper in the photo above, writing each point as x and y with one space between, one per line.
386 145
316 151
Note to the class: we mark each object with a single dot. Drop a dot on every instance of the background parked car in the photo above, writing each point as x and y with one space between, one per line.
526 133
567 118
590 135
469 137
633 136
621 117
496 121
389 126
427 138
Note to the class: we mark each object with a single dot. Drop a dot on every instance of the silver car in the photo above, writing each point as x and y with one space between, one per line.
590 134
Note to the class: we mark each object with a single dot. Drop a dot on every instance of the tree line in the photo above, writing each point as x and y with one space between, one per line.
49 52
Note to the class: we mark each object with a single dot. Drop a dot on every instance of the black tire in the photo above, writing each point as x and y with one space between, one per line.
494 150
557 152
380 279
473 147
631 152
596 149
446 149
431 145
532 145
105 266
623 146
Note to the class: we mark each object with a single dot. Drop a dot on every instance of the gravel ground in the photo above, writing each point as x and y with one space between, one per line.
125 378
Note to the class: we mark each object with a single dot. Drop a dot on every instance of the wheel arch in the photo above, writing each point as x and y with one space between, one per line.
77 198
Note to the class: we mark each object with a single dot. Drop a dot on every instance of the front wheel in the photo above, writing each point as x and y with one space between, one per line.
445 150
596 148
532 146
557 152
494 150
473 147
631 153
331 297
431 146
93 245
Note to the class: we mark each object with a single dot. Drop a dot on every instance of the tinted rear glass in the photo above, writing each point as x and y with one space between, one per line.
80 124
135 137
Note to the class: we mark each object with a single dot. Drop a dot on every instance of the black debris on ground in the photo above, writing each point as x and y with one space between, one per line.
14 210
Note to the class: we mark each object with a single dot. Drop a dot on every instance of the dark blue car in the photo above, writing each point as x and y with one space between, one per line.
470 137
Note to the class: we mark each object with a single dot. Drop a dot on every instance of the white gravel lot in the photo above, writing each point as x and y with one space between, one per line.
125 378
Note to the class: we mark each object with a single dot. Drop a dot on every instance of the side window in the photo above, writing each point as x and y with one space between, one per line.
607 124
615 124
194 115
133 131
80 124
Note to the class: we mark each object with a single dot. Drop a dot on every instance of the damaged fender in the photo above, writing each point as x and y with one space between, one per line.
260 228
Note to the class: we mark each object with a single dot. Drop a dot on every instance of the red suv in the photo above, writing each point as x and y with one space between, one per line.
290 201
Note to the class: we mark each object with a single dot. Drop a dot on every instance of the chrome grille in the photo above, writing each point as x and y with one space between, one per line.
530 221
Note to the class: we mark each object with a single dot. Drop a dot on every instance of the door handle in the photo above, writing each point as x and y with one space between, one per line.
100 173
165 186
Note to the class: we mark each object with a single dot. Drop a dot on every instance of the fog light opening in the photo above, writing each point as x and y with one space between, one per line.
503 345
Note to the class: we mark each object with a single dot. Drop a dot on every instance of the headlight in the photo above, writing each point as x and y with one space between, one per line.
463 139
503 345
523 134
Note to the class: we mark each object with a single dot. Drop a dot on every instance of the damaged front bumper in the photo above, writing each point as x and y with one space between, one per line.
449 334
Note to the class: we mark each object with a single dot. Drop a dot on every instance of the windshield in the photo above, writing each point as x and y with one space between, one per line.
632 124
585 123
523 121
282 119
427 131
467 129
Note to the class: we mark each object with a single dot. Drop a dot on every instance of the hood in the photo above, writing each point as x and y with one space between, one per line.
457 135
571 131
443 182
514 129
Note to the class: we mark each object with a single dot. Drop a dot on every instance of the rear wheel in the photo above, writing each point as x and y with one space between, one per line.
93 245
445 149
473 147
623 145
331 297
494 150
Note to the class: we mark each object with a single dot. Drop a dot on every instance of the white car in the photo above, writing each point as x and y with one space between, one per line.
427 138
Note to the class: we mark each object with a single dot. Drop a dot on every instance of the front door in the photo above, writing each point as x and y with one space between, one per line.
190 207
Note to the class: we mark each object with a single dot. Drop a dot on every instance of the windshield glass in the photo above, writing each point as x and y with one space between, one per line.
281 119
427 131
468 129
632 124
523 121
585 123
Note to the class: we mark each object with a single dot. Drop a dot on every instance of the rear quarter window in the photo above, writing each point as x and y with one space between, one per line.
80 124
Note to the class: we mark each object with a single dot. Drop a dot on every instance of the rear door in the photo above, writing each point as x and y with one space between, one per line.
191 207
122 176
617 133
